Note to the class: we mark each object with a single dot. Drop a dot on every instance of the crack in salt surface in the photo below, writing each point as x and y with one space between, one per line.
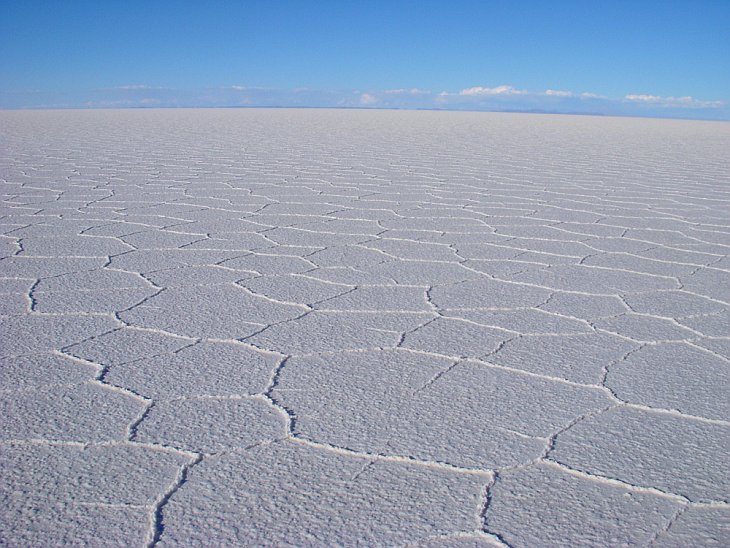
157 524
299 439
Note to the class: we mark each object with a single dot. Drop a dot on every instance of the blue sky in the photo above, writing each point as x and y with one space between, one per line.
657 58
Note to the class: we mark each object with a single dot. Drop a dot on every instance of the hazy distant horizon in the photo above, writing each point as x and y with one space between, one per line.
368 108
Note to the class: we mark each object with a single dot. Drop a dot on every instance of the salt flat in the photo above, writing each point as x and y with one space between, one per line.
313 327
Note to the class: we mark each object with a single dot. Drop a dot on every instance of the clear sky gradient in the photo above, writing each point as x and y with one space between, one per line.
657 58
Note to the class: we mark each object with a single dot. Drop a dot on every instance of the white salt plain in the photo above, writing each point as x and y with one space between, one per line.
312 327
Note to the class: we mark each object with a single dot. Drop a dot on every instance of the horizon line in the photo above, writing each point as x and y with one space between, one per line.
363 107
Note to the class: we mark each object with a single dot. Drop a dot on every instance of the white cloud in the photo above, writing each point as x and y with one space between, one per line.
248 88
684 101
442 98
589 95
643 98
367 99
137 87
558 93
499 90
411 91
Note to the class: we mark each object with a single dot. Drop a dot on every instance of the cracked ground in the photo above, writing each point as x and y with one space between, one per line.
363 327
